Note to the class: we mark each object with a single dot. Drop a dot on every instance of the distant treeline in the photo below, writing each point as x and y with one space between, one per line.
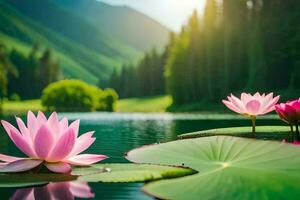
27 75
235 45
144 79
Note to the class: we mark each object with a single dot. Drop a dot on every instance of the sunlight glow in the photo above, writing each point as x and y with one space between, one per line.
172 13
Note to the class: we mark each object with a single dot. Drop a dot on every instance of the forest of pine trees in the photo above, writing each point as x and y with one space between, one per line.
26 75
145 79
236 45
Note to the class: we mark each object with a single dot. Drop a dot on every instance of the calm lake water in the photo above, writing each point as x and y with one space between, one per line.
118 133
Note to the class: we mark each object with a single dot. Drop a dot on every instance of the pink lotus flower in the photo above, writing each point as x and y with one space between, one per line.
289 111
51 142
252 105
53 191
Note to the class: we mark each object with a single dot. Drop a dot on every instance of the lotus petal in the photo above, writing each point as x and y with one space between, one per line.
63 146
24 130
21 143
43 142
63 125
85 159
82 143
236 102
232 107
32 124
53 124
21 165
59 167
8 159
75 126
41 118
270 106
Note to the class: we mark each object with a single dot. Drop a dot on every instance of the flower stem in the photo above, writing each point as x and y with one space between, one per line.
253 118
297 132
292 132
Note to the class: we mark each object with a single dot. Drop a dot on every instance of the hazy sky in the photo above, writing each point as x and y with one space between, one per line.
172 13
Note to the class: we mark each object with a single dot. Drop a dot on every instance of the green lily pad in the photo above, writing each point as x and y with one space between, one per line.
31 179
262 132
229 168
128 172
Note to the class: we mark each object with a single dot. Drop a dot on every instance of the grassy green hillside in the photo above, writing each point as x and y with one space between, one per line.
77 59
146 104
69 67
124 23
73 27
19 32
21 107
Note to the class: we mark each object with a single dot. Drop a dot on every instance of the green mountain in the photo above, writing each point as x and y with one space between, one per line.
83 50
130 26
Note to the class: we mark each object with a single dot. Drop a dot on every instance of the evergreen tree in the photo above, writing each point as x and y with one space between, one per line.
35 72
6 67
176 73
144 79
49 69
235 46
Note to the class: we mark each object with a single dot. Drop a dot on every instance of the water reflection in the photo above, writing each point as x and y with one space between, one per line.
55 191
